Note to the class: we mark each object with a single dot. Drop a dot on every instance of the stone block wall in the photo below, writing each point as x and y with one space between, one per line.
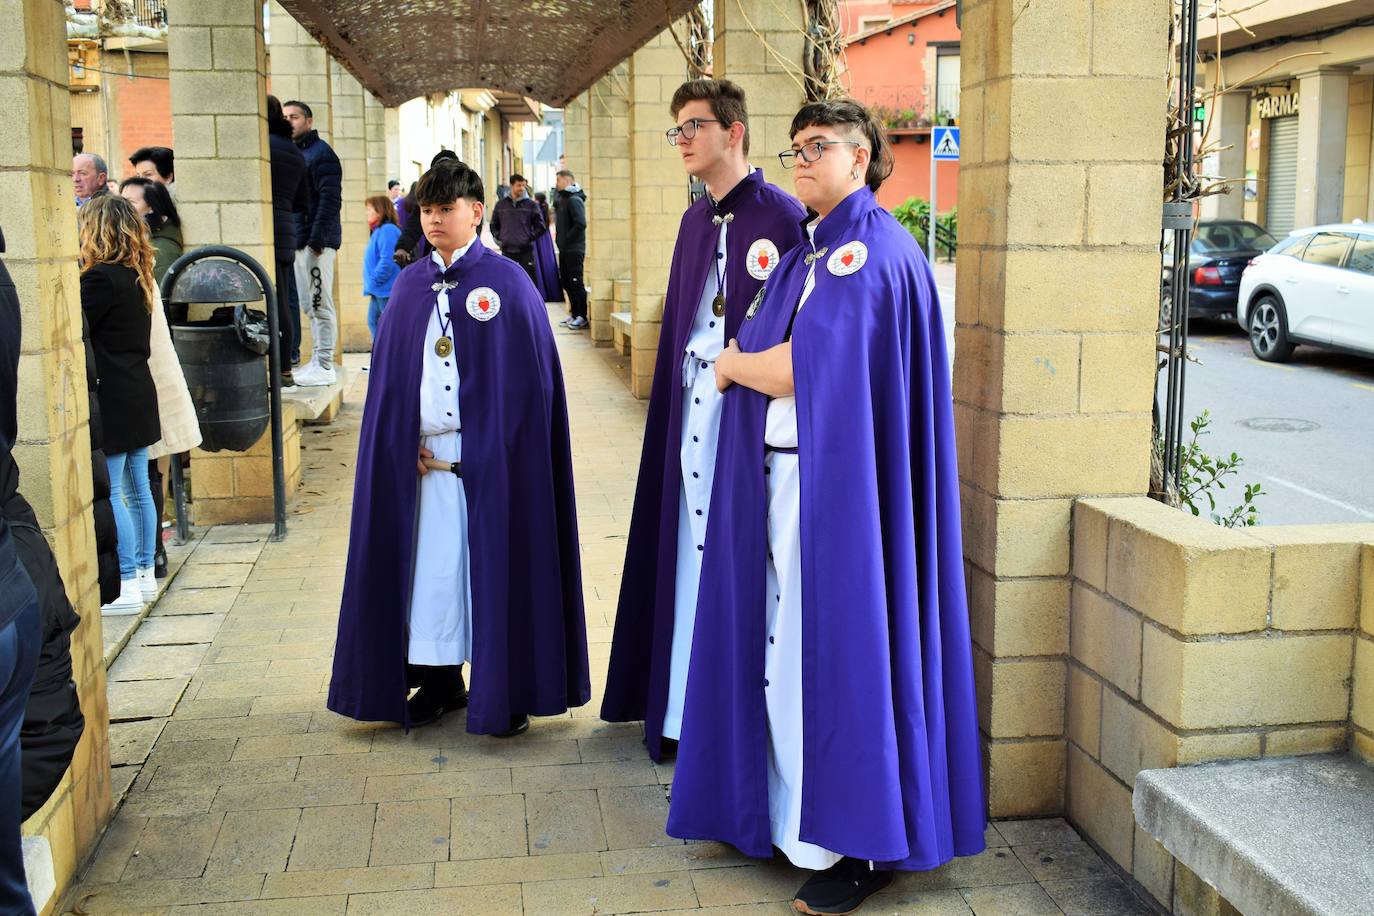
1190 642
1362 706
350 144
608 204
229 488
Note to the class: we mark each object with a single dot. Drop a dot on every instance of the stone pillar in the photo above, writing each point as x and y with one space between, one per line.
1230 119
577 158
758 45
392 139
53 449
350 145
374 128
1323 113
658 195
608 205
300 68
1058 292
218 66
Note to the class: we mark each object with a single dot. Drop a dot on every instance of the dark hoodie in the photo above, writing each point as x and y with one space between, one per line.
570 219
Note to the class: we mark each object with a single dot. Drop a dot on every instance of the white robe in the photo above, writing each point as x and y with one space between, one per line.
441 582
782 667
701 404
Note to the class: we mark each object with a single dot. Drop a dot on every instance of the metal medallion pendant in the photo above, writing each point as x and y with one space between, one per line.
443 347
718 305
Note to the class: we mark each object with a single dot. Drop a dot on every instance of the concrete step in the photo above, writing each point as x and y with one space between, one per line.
1291 835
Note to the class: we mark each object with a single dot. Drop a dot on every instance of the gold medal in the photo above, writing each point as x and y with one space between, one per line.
718 305
443 347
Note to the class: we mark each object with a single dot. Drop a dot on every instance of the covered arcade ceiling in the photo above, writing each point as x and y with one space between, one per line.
549 50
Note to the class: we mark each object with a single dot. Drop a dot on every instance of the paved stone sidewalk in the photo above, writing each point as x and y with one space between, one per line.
242 794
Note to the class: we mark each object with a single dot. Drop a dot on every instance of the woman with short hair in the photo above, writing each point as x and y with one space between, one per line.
151 200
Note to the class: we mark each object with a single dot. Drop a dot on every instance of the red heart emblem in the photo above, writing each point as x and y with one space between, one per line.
484 303
763 259
847 258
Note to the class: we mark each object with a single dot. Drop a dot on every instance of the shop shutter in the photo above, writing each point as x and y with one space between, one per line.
1281 171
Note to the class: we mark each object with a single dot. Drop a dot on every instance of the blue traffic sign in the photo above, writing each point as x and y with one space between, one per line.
945 142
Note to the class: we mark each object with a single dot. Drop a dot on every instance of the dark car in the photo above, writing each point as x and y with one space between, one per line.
1220 251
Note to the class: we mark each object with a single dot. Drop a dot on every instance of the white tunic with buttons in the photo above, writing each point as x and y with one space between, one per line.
701 404
441 584
782 667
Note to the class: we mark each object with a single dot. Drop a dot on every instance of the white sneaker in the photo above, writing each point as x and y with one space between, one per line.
147 583
130 600
315 376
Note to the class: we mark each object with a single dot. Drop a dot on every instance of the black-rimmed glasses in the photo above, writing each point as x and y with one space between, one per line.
688 129
810 152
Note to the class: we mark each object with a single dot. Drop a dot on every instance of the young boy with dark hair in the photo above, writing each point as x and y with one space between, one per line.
438 574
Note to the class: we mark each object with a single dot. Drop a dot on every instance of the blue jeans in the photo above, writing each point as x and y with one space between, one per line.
135 517
20 644
374 312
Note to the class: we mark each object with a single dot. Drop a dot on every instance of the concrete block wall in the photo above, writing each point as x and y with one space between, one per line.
1190 643
608 204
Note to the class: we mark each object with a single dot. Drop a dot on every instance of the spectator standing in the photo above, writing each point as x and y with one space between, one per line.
156 163
570 227
379 265
290 199
90 177
153 202
20 634
318 232
413 240
397 194
118 294
516 221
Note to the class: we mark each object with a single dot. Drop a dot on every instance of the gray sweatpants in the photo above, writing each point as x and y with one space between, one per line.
315 286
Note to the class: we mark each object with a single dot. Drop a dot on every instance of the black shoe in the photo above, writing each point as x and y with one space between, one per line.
667 749
432 700
841 888
518 726
160 563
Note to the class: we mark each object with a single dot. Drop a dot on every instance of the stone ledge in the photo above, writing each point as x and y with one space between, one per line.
318 403
1280 835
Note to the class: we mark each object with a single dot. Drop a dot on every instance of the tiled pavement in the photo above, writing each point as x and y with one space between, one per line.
242 794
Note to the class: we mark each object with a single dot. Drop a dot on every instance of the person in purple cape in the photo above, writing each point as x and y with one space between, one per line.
830 705
729 242
451 510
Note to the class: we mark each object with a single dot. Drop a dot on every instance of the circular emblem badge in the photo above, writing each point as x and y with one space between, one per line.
763 257
483 303
848 258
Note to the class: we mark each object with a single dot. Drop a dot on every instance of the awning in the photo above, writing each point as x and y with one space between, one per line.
549 50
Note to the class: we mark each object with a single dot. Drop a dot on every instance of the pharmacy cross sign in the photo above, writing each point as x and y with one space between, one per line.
946 144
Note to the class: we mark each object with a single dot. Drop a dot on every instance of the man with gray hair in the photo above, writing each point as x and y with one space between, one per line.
89 176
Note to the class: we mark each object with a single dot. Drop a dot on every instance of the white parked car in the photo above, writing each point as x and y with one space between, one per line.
1314 287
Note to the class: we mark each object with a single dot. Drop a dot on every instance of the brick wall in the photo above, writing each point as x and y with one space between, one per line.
142 107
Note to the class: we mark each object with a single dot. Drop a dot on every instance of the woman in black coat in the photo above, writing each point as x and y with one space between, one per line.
290 195
117 296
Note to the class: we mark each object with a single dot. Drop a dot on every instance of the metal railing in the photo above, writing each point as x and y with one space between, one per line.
945 241
150 13
947 100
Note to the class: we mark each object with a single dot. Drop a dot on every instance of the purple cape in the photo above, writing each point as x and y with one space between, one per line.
529 636
546 269
641 655
893 770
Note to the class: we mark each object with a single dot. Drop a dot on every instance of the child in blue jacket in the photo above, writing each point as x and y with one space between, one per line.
379 270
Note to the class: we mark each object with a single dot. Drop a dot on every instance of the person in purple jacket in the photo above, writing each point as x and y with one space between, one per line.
379 268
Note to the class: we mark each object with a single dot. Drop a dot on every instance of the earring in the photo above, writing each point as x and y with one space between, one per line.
854 174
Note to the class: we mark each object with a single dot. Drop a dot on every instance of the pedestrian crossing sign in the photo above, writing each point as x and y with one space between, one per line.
946 143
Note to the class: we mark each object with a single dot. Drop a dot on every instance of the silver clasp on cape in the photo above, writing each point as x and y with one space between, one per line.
815 256
443 285
727 219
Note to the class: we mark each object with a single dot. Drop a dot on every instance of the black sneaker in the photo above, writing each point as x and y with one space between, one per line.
841 888
518 726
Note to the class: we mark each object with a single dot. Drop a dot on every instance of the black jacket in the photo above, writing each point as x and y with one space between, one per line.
412 231
121 330
106 535
16 590
318 226
290 195
515 224
570 219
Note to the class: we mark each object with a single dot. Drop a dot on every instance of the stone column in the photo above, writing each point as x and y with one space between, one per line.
608 206
300 68
658 195
392 138
218 64
1058 291
351 146
1323 113
53 449
577 158
374 128
1230 118
758 45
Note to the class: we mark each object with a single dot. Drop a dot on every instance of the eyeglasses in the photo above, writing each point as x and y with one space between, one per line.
688 129
811 152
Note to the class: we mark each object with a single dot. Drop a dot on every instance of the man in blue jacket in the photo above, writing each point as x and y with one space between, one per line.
516 221
319 233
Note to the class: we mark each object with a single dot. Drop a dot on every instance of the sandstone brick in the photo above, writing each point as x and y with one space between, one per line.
1202 748
1100 806
1240 682
1195 897
1362 709
1052 41
1025 778
1153 867
1130 39
1133 740
1082 291
1090 526
1289 742
1363 745
1072 455
1036 196
1019 617
1316 575
1367 590
1122 210
1084 713
1105 637
1125 138
1186 573
1027 697
1117 373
